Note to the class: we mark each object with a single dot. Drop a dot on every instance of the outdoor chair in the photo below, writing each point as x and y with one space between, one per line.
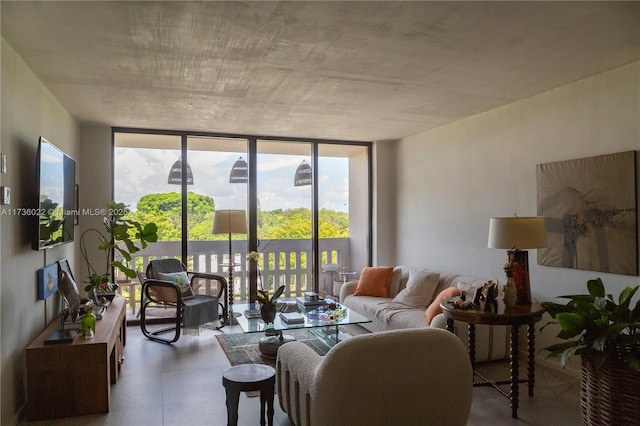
169 284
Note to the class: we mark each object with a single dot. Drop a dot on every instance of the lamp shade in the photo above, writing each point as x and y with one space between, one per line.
230 222
303 175
517 233
239 172
175 174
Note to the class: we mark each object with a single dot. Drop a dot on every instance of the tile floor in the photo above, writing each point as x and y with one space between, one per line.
181 385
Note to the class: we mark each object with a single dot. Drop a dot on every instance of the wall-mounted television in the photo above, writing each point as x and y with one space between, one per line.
55 183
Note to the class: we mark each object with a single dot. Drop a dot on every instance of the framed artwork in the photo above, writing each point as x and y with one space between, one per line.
47 281
590 212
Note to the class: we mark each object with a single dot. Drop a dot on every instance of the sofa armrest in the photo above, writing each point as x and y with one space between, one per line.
347 289
296 368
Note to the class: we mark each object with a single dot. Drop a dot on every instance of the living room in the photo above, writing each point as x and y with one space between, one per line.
437 179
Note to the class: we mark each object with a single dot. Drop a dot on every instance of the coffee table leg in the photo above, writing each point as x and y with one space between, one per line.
263 400
471 330
233 397
513 360
531 346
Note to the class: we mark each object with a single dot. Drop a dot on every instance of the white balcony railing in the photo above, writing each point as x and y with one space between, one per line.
284 262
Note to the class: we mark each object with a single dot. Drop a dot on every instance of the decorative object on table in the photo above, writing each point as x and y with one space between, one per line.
268 307
515 234
89 322
70 308
490 292
510 290
292 318
230 222
590 209
47 281
607 337
120 236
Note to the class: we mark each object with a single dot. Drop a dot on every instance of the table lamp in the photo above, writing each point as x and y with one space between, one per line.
516 234
230 222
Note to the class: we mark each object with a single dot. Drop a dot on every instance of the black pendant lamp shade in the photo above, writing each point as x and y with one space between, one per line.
175 175
303 175
239 172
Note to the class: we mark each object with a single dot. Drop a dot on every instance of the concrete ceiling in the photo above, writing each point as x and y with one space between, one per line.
341 70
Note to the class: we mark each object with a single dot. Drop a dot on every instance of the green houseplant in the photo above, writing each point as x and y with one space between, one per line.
606 334
120 235
268 304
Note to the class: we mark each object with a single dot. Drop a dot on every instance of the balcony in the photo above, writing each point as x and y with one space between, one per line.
284 262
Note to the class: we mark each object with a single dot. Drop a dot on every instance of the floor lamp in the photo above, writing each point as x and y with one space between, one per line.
230 222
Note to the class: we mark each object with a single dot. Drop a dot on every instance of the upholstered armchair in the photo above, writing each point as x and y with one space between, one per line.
400 377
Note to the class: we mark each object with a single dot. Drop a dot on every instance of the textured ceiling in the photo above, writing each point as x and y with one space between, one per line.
342 70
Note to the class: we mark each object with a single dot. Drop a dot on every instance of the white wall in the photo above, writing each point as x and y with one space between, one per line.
451 180
29 110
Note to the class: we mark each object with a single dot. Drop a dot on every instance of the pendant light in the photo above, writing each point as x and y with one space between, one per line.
175 174
239 172
303 175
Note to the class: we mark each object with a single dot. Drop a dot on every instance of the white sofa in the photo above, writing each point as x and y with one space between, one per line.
398 377
387 314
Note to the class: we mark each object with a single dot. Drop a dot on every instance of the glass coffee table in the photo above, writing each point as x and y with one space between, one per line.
321 324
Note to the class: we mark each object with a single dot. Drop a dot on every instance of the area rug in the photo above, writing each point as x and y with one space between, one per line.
242 348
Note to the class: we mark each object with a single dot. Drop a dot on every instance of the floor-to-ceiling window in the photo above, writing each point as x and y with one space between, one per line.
307 204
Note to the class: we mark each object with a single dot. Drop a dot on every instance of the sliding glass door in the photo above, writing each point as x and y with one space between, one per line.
307 205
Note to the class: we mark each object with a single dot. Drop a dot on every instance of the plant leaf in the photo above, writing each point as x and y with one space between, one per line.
596 287
572 324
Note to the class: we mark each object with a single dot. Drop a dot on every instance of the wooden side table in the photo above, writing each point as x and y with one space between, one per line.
514 317
249 377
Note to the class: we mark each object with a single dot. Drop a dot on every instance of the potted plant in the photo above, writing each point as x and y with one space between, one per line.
268 304
606 334
121 235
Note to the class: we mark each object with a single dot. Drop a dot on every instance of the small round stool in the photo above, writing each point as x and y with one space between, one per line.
249 377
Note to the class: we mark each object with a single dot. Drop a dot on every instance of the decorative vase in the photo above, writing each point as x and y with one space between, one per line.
510 293
268 312
89 325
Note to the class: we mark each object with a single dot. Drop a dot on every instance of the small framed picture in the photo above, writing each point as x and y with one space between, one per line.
47 281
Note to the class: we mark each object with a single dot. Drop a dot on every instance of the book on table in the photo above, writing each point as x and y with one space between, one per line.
292 318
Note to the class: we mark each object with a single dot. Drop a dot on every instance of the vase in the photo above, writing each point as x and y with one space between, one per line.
268 312
510 293
89 325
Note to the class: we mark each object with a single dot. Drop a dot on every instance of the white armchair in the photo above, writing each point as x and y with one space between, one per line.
403 377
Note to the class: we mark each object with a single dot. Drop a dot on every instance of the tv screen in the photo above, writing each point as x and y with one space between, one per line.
55 180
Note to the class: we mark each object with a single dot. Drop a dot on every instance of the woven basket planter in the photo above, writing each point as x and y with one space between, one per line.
610 395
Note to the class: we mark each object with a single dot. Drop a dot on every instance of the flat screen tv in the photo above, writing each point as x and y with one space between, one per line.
55 183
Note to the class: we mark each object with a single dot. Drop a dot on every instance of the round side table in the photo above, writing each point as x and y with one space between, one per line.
515 317
249 377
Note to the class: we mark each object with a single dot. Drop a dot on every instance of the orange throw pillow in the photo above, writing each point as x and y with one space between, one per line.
374 282
434 308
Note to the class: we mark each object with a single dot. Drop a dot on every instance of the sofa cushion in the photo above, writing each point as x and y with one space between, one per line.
395 284
434 308
420 289
374 282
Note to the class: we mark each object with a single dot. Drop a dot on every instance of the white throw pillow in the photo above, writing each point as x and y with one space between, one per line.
420 289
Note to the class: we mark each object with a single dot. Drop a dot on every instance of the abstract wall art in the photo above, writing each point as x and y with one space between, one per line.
590 212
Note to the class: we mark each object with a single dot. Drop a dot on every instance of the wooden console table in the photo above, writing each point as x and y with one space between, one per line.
75 379
515 317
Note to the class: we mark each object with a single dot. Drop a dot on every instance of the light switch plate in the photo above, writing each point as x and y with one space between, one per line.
3 163
6 195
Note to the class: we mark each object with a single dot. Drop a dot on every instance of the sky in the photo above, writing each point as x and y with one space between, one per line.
141 171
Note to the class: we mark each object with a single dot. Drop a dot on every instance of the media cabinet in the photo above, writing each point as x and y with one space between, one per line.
75 378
